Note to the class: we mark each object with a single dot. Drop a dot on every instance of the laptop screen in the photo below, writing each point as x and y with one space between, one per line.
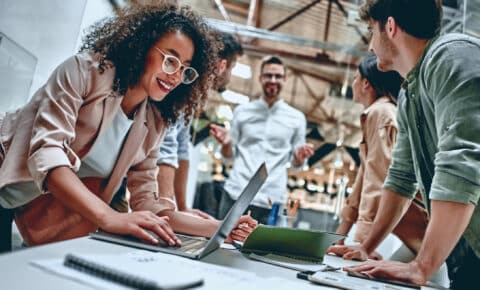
238 208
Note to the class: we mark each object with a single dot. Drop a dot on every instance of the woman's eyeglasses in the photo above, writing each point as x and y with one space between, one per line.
171 64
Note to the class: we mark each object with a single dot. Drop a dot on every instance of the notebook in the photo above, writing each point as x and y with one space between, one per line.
198 247
118 269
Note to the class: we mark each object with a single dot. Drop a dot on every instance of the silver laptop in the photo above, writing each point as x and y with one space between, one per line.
197 247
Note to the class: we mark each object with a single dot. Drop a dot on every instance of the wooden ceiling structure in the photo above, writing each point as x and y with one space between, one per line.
321 42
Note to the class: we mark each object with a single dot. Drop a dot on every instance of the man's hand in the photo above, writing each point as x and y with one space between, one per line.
245 226
349 252
407 272
220 134
138 223
303 152
198 213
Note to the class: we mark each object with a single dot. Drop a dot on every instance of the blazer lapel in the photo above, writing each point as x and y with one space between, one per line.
133 142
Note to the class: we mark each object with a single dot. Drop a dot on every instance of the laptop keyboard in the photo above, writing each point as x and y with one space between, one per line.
191 245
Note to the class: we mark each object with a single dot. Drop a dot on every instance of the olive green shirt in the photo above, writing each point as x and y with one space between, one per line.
438 142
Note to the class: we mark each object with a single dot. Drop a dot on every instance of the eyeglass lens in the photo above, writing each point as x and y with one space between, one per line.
172 64
269 76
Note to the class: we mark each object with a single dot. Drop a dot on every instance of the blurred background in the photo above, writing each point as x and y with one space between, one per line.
321 42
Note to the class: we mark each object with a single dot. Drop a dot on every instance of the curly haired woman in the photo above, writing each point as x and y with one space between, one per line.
100 117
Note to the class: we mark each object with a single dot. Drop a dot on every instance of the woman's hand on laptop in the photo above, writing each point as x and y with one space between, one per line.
245 226
139 224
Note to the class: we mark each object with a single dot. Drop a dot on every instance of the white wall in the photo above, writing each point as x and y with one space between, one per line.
48 29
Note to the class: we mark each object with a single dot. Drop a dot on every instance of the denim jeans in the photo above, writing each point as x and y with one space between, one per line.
6 218
226 202
463 266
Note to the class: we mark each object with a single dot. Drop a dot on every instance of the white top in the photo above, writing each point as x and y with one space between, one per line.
101 159
260 133
99 162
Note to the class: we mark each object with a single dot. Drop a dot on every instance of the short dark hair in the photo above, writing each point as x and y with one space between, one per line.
231 47
419 18
384 83
271 59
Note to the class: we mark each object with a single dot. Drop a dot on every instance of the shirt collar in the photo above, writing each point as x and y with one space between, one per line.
278 103
378 102
412 75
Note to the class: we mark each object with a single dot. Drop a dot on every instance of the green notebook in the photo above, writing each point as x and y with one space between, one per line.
299 244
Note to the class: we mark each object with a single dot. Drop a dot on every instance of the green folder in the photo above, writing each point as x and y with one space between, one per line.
299 244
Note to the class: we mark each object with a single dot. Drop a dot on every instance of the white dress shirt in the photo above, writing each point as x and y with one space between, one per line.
260 133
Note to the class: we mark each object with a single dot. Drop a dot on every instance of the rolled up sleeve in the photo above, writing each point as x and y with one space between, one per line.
54 124
169 147
142 184
457 118
183 139
401 177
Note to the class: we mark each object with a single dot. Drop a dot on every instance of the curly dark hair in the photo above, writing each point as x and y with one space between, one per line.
125 40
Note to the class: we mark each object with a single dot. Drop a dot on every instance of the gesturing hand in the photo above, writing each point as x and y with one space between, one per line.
220 134
304 151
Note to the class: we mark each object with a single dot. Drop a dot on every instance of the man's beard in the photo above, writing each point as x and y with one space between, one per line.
271 95
390 51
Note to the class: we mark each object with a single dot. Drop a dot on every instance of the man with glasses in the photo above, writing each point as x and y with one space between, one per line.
267 129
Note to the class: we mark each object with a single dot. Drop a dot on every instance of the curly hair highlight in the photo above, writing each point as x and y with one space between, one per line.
125 40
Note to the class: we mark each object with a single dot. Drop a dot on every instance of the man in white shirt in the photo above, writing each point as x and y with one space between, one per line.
267 129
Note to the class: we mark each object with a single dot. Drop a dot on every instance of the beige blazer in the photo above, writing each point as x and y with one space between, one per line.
379 128
61 123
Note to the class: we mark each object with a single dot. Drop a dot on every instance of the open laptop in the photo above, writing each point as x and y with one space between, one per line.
197 247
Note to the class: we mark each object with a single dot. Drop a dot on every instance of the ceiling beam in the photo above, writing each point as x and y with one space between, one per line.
222 10
293 15
319 58
236 9
250 31
327 22
345 13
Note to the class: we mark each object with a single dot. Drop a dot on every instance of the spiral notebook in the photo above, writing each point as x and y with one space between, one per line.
144 270
136 280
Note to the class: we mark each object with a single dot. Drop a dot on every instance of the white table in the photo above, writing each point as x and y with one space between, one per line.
17 273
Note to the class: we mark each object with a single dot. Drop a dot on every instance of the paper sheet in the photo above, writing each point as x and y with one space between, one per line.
290 263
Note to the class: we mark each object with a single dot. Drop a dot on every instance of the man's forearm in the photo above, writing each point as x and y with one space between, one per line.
447 223
185 223
227 150
165 179
344 227
390 211
180 184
